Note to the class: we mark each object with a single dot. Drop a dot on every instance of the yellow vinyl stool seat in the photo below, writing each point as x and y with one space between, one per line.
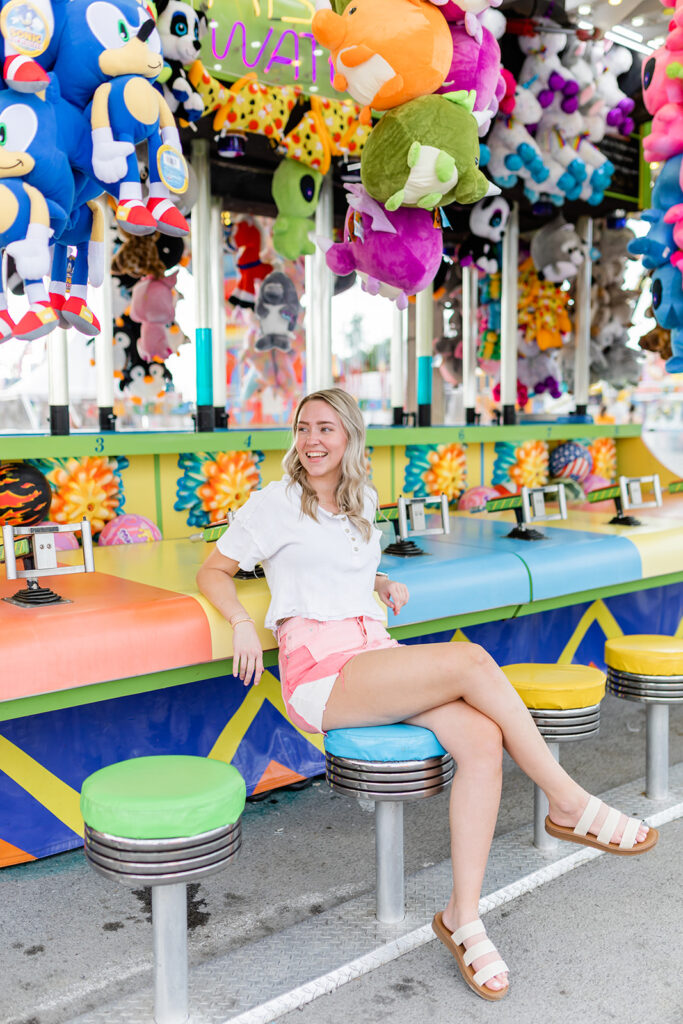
557 687
564 702
648 668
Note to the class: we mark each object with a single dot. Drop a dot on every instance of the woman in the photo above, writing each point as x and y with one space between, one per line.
339 667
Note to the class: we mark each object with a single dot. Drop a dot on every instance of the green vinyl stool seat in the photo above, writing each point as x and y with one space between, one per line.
164 821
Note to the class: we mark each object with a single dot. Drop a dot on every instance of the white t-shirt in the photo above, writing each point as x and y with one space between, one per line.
321 570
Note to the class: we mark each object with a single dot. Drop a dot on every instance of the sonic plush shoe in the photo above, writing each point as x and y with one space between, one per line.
77 314
133 215
167 218
40 320
23 74
7 326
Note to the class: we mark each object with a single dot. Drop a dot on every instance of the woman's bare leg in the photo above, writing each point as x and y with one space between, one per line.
476 744
397 683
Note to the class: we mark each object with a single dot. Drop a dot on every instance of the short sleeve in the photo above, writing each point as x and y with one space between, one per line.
251 536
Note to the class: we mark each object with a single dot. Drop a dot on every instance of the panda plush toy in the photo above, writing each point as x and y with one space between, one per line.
181 28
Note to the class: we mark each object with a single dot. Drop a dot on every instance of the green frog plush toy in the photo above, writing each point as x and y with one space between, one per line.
425 153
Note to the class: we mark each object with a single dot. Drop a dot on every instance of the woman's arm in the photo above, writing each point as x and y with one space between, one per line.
215 582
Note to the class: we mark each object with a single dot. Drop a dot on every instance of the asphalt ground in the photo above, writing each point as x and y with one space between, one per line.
72 940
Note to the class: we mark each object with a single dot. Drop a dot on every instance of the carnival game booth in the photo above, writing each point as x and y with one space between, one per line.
132 660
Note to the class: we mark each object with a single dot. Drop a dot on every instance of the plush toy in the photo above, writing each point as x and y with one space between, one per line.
658 245
213 93
542 70
278 309
663 97
246 239
385 52
125 339
616 61
108 56
426 154
476 66
657 340
144 382
487 223
296 191
252 107
181 29
514 152
471 14
153 307
557 251
29 32
395 253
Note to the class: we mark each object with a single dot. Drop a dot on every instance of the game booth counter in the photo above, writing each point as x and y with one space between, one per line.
136 661
131 659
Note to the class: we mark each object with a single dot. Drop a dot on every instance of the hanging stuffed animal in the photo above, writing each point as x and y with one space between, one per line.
109 55
296 191
153 307
278 309
543 72
395 253
246 239
181 28
476 65
487 226
557 251
385 52
426 154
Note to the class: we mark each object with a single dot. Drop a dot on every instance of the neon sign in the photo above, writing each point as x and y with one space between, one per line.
287 38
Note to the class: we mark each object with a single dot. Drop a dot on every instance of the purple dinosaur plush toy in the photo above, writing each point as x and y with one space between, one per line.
396 254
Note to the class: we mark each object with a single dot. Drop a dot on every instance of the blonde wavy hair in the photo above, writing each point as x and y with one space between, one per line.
353 478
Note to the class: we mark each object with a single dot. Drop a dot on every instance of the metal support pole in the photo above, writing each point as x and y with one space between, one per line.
319 287
389 861
58 380
508 317
582 321
396 365
543 841
657 752
201 274
220 384
470 333
104 341
424 336
169 924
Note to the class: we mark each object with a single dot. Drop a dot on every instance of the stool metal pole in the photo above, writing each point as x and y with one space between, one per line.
389 861
169 923
657 752
543 841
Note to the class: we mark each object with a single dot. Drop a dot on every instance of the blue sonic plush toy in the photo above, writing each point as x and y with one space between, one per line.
37 134
109 55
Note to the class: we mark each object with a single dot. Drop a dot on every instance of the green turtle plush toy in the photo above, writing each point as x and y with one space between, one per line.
296 191
426 153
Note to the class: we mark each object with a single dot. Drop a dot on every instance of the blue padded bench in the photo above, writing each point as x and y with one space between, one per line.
387 764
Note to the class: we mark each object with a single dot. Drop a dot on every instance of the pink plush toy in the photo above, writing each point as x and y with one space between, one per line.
395 254
663 97
153 306
467 12
476 65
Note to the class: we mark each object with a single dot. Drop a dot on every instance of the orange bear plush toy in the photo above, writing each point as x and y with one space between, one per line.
386 52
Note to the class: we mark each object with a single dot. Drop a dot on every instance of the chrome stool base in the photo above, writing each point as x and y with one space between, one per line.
656 692
559 726
389 783
167 865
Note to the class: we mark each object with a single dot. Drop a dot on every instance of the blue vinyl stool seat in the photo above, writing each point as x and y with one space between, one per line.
387 764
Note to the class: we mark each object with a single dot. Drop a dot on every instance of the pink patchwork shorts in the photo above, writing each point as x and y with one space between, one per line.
312 654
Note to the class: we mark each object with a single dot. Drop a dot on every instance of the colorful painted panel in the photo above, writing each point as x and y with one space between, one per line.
520 465
40 780
213 483
88 487
434 469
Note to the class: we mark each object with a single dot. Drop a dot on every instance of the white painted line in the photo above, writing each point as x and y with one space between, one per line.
326 983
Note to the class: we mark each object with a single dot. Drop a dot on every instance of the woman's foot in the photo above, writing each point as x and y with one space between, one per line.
461 938
593 823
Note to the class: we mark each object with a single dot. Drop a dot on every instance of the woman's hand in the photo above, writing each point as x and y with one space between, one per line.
393 595
247 656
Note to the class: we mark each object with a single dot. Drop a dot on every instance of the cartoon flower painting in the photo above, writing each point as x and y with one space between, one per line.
523 465
604 452
89 487
214 483
435 469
